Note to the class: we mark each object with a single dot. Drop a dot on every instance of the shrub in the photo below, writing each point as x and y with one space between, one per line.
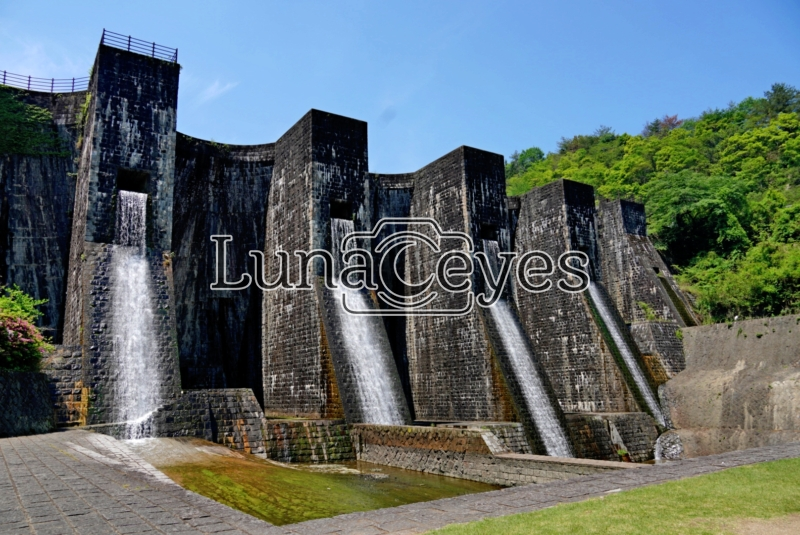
21 344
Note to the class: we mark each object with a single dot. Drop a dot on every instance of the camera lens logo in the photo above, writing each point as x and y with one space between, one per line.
423 270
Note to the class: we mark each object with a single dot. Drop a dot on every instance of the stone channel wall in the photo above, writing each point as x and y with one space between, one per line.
609 436
308 441
25 400
465 453
740 386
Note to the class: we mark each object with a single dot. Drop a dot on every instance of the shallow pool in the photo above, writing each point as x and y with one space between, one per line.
288 493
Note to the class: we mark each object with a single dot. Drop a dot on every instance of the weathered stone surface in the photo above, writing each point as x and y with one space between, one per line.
452 372
100 367
219 190
556 218
25 399
321 171
604 435
128 143
740 386
641 286
308 441
230 416
64 368
36 203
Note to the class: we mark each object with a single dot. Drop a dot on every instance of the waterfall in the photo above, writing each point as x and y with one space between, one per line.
133 323
527 376
627 355
371 364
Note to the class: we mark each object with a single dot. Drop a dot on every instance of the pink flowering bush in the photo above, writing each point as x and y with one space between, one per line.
21 344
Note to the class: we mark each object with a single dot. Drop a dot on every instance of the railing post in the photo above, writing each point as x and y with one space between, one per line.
154 49
4 77
129 43
52 84
29 83
73 85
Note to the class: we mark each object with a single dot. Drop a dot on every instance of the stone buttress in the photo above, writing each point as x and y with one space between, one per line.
320 174
642 288
128 143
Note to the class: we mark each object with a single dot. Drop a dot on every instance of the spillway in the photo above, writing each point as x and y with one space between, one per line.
527 377
138 378
625 351
371 365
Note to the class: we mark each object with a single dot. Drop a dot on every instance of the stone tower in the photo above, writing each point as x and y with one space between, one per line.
128 144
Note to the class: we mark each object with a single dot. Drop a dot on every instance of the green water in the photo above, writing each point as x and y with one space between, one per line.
285 494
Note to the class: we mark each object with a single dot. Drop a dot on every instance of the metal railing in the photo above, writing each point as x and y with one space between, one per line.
131 44
46 85
70 85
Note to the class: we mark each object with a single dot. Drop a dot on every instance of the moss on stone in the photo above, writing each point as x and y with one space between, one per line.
26 129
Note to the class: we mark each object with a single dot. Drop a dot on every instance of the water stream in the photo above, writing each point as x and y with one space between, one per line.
371 363
627 355
133 324
533 389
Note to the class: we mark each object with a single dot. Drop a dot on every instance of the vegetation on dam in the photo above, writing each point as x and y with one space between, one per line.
26 129
722 193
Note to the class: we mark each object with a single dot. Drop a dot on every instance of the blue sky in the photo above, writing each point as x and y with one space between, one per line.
433 75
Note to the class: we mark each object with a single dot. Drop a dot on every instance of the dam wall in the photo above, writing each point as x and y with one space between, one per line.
133 205
219 190
37 194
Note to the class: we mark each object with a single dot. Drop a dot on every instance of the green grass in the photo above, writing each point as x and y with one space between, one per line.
700 505
283 495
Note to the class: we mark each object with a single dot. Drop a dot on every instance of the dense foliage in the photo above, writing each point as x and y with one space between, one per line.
21 344
722 194
26 129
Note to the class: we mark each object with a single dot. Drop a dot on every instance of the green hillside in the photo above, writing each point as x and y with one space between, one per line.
722 194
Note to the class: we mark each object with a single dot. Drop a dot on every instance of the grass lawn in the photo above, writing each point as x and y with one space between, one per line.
724 502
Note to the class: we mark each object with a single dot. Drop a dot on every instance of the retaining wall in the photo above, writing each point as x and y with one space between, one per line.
464 453
36 202
64 368
25 402
740 386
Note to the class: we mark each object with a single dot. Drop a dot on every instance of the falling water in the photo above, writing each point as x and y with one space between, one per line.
133 324
533 390
370 364
627 354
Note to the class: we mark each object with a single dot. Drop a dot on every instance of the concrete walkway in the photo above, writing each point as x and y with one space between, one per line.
78 482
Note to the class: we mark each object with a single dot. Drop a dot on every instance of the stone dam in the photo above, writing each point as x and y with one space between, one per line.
158 334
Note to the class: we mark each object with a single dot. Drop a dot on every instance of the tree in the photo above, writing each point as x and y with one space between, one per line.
522 161
781 98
